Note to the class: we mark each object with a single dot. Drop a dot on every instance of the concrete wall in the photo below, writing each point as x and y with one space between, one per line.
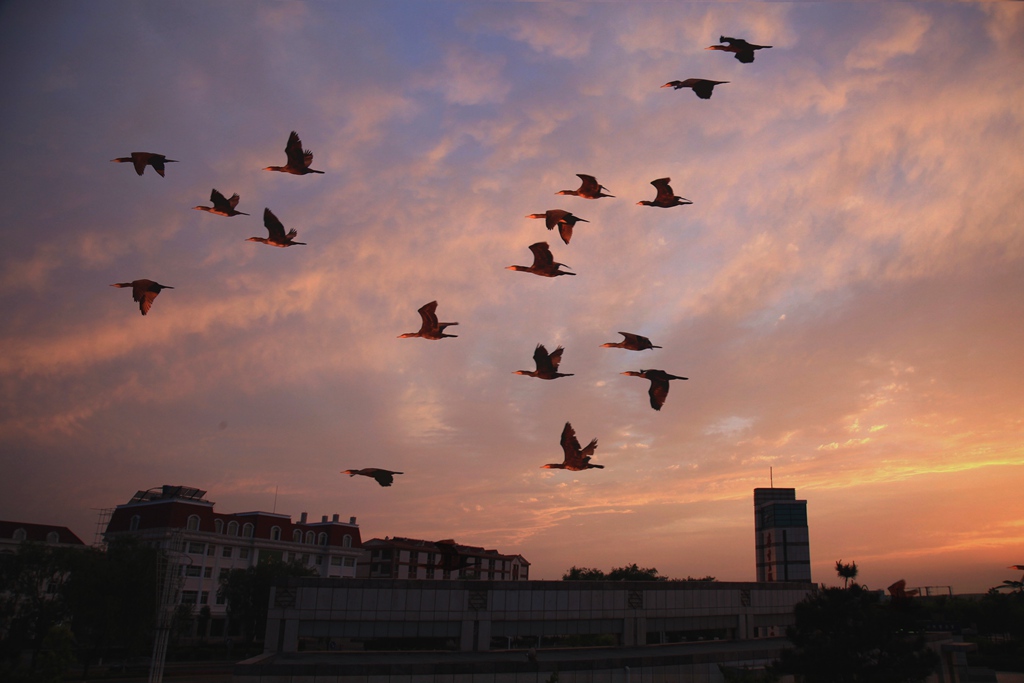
469 613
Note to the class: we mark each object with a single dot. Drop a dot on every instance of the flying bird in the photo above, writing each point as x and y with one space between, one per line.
142 159
589 188
430 329
543 262
547 364
631 342
277 238
563 219
574 458
743 50
701 86
383 477
659 384
298 159
665 198
221 205
143 291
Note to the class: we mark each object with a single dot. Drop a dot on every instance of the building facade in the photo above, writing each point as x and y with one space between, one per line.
206 544
782 539
13 534
410 558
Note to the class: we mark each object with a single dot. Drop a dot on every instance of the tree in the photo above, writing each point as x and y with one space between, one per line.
845 635
847 572
1010 585
630 572
247 593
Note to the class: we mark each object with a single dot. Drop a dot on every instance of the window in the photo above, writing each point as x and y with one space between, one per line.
232 528
275 533
297 536
322 538
189 597
414 558
53 537
218 526
198 548
220 601
19 535
319 559
335 561
133 525
305 559
310 538
193 571
208 573
211 550
227 551
193 523
350 561
243 553
346 541
247 530
204 598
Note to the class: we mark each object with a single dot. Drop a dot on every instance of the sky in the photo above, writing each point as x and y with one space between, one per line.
845 294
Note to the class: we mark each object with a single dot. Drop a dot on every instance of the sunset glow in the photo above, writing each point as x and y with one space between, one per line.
845 293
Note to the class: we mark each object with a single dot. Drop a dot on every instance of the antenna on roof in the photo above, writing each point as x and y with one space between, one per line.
771 478
275 498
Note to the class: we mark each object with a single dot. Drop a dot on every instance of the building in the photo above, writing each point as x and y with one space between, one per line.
410 558
782 540
13 534
207 544
482 631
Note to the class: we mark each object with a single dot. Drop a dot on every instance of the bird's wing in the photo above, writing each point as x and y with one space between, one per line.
219 201
144 293
292 234
589 450
590 183
157 162
703 89
139 161
570 445
307 157
553 217
631 339
428 314
542 359
565 231
542 257
745 56
294 151
665 192
274 226
383 477
658 392
233 202
555 357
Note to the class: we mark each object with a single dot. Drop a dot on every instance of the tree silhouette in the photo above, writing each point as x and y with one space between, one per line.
847 572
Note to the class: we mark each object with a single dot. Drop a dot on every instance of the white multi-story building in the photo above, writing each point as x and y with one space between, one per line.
207 544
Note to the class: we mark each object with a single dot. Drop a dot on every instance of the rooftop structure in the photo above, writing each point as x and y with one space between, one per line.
411 558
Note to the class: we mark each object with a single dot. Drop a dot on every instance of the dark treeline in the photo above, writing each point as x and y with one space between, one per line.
75 607
630 572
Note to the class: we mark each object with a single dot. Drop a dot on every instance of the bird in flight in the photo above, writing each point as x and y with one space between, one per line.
221 205
383 477
543 262
547 364
574 458
142 159
631 342
430 328
143 291
589 188
659 384
665 198
563 219
743 50
277 237
298 159
701 86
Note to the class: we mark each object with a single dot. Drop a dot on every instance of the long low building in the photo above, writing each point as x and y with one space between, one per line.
313 619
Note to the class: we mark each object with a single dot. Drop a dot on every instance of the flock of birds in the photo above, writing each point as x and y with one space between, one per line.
574 456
